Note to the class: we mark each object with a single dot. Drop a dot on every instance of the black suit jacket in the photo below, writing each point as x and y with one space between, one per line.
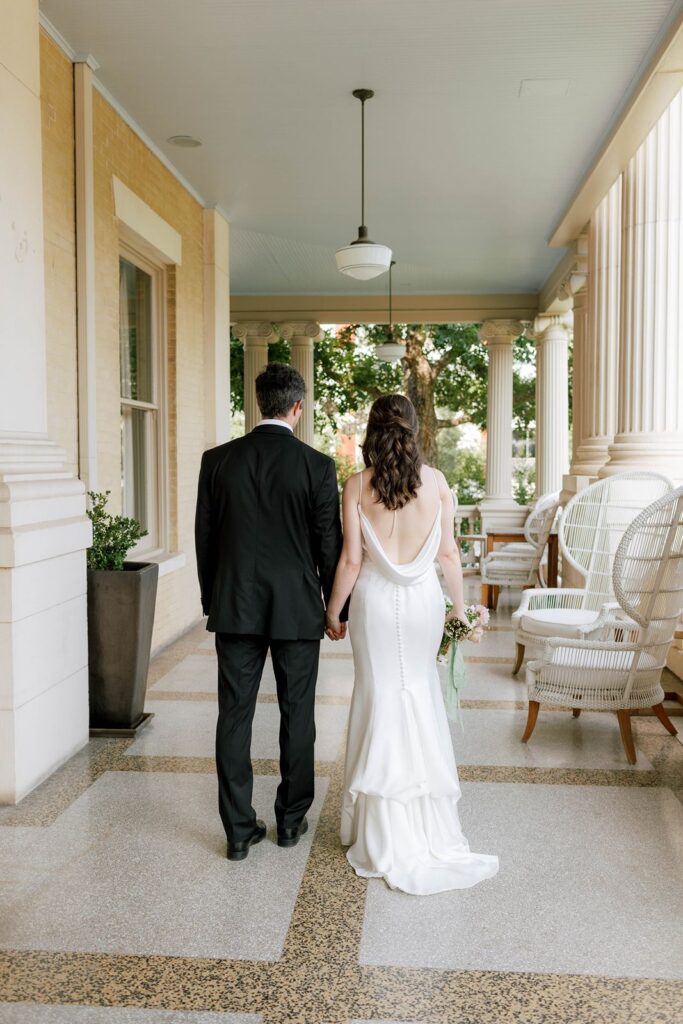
268 535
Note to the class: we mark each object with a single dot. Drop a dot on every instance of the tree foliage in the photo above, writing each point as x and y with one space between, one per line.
444 373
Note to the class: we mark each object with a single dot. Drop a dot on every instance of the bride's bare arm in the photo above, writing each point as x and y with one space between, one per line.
351 557
448 553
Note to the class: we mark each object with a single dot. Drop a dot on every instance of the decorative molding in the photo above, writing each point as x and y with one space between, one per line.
499 332
261 332
568 277
300 329
542 324
57 37
86 58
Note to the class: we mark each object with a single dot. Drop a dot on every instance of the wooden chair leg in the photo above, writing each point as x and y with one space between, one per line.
534 705
494 597
576 712
485 592
520 659
664 719
624 716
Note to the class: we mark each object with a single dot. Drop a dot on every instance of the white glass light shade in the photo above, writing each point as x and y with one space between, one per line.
363 260
391 352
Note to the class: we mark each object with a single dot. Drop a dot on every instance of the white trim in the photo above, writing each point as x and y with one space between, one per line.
157 488
151 229
168 562
57 37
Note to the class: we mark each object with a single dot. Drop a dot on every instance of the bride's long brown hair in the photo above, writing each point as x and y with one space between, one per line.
390 449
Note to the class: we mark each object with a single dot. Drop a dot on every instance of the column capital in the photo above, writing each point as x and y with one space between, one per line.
246 330
300 329
559 324
501 332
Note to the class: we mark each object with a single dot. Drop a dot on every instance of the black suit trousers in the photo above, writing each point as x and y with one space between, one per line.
241 658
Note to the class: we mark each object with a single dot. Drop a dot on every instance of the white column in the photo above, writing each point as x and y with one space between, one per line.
255 337
302 337
595 384
216 329
43 529
552 404
650 409
498 508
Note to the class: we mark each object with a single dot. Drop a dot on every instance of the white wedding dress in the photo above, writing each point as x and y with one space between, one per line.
400 816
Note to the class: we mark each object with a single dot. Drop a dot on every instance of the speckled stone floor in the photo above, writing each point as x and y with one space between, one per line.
117 905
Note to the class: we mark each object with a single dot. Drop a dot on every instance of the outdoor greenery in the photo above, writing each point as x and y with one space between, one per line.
113 536
444 373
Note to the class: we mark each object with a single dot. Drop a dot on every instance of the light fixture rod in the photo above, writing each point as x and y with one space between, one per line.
391 327
362 95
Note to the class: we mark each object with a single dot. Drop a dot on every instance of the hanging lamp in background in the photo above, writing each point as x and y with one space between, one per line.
363 258
391 351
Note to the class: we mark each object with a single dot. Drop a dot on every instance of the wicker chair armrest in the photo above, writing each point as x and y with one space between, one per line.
553 597
558 651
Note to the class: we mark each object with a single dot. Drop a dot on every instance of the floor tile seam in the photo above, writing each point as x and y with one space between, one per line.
208 696
589 777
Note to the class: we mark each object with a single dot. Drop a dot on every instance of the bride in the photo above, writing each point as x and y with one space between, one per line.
400 817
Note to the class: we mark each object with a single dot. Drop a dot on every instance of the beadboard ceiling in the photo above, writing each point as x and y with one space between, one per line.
486 116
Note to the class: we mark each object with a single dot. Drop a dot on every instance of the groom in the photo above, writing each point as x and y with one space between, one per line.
268 538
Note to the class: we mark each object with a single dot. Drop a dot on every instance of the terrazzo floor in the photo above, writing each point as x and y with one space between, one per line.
117 905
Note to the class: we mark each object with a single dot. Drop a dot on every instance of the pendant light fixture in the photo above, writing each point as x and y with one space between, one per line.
391 351
363 259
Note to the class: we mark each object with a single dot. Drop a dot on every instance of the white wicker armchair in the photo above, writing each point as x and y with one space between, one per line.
619 667
519 565
591 527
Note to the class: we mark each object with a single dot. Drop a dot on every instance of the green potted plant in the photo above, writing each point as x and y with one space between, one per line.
121 603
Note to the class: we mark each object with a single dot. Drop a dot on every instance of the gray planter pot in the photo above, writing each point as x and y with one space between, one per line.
120 620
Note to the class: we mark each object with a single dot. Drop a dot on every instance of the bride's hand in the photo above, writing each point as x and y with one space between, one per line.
334 629
460 618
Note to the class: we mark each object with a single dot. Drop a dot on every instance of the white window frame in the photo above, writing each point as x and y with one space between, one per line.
154 545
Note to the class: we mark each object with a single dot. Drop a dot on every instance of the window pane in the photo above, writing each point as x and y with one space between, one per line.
135 331
136 439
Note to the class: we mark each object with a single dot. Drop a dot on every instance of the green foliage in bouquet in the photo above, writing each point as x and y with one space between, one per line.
113 536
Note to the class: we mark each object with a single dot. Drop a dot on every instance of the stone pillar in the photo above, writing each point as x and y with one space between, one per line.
216 329
498 508
649 432
552 403
43 528
595 374
301 337
255 337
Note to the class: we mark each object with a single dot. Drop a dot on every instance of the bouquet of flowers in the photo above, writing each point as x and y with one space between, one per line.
450 653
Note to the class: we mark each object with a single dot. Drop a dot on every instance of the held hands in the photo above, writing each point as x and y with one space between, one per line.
334 629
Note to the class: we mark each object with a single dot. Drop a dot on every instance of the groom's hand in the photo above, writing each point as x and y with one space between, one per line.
334 629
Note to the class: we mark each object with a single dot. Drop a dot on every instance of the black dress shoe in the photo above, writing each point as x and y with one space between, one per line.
291 836
240 850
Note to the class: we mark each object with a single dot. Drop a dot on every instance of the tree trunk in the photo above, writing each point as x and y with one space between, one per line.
419 386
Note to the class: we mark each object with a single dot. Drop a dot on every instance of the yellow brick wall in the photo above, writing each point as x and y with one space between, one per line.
57 107
119 151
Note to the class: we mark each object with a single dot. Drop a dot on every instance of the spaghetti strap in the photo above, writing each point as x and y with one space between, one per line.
360 489
438 495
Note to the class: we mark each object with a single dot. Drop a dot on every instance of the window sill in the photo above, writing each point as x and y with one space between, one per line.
168 562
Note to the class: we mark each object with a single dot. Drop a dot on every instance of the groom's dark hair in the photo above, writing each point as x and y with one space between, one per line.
278 387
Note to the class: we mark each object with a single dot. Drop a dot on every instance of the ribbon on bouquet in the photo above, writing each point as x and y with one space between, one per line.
455 680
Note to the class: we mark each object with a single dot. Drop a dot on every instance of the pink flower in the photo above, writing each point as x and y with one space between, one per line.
482 614
476 634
